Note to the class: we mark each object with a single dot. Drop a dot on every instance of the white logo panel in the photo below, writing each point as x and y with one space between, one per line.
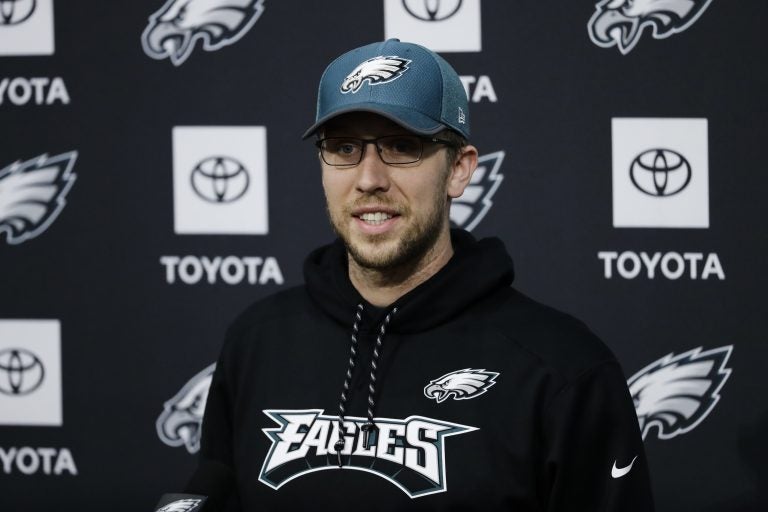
26 27
660 173
220 180
440 25
30 372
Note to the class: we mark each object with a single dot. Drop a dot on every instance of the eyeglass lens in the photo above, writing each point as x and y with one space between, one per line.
393 149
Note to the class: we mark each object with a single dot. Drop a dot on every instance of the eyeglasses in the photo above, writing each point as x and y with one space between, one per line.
392 149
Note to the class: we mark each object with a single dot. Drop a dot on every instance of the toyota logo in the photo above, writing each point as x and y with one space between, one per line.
14 12
220 179
660 172
21 372
432 10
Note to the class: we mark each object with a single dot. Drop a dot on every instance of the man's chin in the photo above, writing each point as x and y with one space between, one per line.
374 251
393 249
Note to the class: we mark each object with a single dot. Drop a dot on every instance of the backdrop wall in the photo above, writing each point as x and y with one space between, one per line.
153 183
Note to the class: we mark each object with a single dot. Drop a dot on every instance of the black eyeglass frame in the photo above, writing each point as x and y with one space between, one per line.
374 141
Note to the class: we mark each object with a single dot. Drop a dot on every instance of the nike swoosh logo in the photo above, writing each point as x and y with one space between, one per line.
620 472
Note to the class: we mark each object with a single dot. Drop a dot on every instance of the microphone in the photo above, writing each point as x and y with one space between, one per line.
180 503
208 490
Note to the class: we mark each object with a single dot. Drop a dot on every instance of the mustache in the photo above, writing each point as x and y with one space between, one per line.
376 201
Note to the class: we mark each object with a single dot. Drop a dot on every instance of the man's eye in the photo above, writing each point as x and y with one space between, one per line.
341 147
403 145
346 149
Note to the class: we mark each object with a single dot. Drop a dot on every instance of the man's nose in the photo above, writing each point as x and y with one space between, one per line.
372 172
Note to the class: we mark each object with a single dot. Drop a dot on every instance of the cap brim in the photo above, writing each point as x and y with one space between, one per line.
409 119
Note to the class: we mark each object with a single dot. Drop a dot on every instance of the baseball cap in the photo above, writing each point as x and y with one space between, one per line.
404 82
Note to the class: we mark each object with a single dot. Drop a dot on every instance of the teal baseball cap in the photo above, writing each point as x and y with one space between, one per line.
404 82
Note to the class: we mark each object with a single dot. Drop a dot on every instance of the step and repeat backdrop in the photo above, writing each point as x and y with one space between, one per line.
153 183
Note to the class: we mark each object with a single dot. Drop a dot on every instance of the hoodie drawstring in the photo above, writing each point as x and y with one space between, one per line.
339 445
368 427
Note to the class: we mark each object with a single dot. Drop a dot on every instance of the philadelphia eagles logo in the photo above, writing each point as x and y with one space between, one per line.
174 29
185 505
620 23
33 193
468 210
410 453
676 393
378 70
182 417
460 385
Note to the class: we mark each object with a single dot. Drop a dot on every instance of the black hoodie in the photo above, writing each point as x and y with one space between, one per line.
481 398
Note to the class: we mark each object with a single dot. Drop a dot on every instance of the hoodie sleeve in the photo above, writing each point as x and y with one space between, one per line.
216 446
216 435
594 456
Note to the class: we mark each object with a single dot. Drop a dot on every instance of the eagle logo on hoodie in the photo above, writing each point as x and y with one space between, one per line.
175 28
460 385
620 23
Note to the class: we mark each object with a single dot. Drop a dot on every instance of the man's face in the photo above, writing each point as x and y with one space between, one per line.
387 215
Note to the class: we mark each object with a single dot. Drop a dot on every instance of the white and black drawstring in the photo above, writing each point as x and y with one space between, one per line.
339 445
369 427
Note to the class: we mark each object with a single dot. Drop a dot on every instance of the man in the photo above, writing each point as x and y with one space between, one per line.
407 374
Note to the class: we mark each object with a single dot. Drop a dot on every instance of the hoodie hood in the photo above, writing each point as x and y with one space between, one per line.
476 269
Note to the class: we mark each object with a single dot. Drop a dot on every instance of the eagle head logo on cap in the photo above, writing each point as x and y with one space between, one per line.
378 70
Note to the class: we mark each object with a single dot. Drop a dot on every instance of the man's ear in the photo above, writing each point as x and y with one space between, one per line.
461 171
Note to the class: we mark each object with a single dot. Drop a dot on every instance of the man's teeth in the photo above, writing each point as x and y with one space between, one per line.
375 218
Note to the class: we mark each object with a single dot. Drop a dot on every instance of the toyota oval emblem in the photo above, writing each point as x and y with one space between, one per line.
220 179
15 12
21 372
432 10
660 172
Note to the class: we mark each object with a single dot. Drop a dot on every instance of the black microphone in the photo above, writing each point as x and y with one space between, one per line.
208 490
180 503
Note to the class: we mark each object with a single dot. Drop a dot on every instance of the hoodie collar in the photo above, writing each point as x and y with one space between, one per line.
476 269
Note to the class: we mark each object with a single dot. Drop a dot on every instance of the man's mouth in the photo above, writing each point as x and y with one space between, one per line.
375 218
374 215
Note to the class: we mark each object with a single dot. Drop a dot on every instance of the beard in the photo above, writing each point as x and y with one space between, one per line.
388 251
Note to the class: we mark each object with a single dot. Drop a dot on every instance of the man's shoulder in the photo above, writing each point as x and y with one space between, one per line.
556 339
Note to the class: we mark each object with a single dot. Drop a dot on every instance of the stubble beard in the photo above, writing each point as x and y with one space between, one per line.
377 252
